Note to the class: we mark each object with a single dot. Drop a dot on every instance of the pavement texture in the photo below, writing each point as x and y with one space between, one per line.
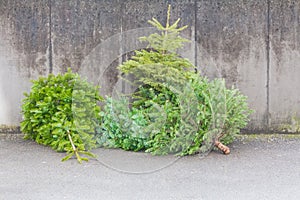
259 167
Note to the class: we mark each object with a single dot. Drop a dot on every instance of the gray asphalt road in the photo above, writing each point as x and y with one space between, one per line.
262 168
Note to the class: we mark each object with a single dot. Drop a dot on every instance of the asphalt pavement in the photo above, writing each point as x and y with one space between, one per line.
258 167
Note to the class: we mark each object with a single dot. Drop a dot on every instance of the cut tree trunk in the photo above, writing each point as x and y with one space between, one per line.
225 149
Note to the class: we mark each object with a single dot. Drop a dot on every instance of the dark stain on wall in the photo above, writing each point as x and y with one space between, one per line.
285 27
78 26
226 28
28 32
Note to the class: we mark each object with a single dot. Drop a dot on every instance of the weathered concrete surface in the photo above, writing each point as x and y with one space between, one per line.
256 169
253 44
78 28
25 28
231 38
284 62
23 52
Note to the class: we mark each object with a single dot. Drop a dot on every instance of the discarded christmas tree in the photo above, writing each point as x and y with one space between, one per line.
62 112
182 111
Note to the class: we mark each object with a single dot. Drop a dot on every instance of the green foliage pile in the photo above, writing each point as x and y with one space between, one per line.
122 127
174 109
62 112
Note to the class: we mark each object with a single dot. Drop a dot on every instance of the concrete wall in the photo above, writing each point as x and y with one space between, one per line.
253 44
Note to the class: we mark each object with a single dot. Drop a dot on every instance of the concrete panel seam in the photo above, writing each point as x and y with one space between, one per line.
195 38
268 65
50 38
